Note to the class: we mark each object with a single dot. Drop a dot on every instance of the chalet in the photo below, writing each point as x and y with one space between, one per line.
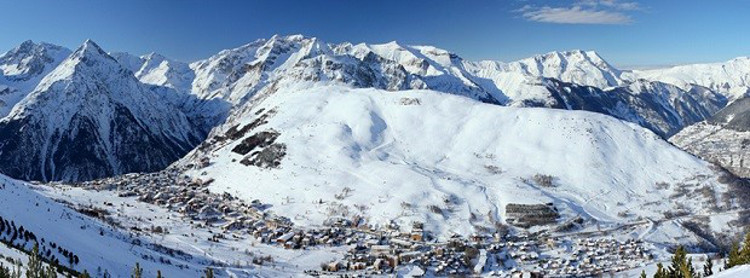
416 235
408 256
285 237
401 242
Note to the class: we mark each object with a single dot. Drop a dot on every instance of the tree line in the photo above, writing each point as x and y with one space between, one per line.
682 267
36 268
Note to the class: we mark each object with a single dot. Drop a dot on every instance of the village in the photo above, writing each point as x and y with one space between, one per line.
392 248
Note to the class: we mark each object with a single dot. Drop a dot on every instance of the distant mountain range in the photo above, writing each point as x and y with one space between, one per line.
51 105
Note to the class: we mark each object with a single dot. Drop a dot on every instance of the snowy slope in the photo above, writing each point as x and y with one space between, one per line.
723 139
735 272
121 236
23 67
65 227
128 61
171 81
449 161
91 118
161 71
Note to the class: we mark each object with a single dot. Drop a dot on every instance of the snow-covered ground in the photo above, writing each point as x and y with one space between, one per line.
115 245
742 271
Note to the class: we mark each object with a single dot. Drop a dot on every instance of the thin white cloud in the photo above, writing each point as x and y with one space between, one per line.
612 4
582 12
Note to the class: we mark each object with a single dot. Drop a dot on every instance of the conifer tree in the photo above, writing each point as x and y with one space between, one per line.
678 260
35 268
137 271
7 272
158 274
84 274
208 273
4 271
734 256
708 268
681 267
643 274
687 270
744 253
660 271
50 272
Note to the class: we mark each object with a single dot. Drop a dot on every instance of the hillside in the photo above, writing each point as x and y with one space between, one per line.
333 151
723 139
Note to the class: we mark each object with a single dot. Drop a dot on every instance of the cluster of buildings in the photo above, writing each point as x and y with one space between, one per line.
594 256
389 249
505 257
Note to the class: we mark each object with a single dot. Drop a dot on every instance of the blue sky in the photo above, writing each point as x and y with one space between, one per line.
625 32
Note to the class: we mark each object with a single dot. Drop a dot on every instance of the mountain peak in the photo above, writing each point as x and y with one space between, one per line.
30 60
153 56
577 54
89 52
576 66
294 37
29 47
27 44
90 46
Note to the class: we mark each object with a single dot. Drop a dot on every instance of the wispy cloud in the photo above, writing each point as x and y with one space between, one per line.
612 4
582 12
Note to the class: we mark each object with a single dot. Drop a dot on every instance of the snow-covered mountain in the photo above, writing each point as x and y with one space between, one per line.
580 67
238 75
210 90
731 78
450 162
91 118
155 69
172 81
23 67
723 139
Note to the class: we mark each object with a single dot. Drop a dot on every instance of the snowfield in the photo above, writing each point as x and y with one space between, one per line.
452 162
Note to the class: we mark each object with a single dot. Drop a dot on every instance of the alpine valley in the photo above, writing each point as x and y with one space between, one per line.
291 156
